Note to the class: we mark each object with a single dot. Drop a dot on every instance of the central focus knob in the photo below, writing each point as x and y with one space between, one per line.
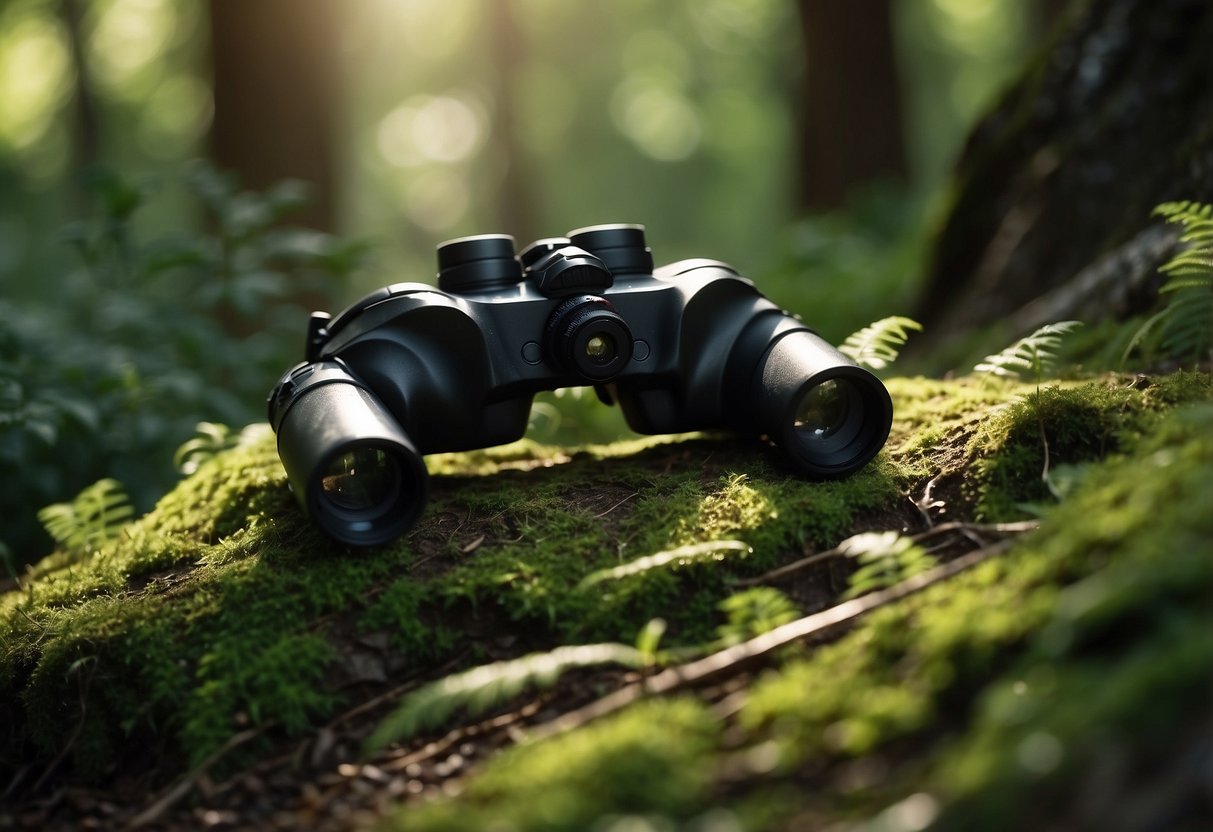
478 264
588 337
556 270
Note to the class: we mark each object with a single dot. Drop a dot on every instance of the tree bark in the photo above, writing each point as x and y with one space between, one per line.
851 122
276 89
1057 183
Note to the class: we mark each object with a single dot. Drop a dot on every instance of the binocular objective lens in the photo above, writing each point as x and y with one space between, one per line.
361 479
601 349
823 411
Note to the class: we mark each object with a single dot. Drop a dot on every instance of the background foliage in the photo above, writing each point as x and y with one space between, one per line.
137 299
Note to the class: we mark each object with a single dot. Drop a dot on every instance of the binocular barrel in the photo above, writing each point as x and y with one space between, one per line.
689 346
827 414
352 468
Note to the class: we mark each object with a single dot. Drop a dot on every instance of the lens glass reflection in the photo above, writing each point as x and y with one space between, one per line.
600 349
823 410
361 479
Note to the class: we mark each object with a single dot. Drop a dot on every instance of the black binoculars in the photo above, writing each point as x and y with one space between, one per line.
411 369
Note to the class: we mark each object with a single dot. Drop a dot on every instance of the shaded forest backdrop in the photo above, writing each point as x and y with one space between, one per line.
811 144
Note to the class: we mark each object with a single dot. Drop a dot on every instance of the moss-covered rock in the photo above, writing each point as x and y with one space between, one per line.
223 609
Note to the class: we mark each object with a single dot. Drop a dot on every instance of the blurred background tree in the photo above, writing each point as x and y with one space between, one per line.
808 143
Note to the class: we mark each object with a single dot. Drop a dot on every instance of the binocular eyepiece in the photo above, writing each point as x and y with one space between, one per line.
409 370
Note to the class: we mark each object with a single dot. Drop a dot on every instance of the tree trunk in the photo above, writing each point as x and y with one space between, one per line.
851 122
275 89
1056 185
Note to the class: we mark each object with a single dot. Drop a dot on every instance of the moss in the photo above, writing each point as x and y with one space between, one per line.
223 608
643 762
1073 425
1017 677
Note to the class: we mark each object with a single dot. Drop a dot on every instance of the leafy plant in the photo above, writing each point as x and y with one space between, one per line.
1184 327
1034 353
885 558
481 688
211 438
693 553
878 344
753 612
109 368
97 514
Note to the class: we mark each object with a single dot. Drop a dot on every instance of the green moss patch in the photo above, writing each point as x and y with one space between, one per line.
995 700
224 609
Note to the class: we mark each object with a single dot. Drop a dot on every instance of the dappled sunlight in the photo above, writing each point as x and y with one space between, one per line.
35 76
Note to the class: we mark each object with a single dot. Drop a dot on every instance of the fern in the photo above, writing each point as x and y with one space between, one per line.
885 558
210 439
96 515
1185 324
753 612
1034 353
488 686
712 550
878 344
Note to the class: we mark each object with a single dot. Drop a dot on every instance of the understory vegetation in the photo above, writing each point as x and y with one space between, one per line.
225 615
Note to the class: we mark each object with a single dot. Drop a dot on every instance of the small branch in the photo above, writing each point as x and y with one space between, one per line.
438 747
934 531
617 505
169 798
731 659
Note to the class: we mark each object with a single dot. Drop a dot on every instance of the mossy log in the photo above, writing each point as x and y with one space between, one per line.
221 660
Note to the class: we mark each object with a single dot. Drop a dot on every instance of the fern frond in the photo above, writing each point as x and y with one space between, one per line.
97 514
753 612
488 686
209 439
712 550
1035 352
886 559
878 344
1185 324
1188 326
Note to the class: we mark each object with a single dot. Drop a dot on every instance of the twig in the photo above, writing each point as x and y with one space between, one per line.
617 505
942 528
441 746
730 659
925 503
170 797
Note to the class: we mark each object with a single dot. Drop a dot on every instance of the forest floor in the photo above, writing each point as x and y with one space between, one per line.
999 658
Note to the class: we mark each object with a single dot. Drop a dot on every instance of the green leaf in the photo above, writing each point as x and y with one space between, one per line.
97 514
878 344
491 685
885 558
1035 352
753 612
695 552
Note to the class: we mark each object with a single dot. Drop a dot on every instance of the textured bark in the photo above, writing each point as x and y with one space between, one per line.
851 124
1115 117
275 89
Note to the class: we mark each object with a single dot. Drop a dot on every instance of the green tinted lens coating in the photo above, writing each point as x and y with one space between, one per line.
361 479
822 411
600 349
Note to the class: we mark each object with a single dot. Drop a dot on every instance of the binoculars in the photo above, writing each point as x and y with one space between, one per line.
411 369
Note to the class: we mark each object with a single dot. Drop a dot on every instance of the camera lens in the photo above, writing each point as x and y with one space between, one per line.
361 479
586 336
351 465
600 349
827 412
